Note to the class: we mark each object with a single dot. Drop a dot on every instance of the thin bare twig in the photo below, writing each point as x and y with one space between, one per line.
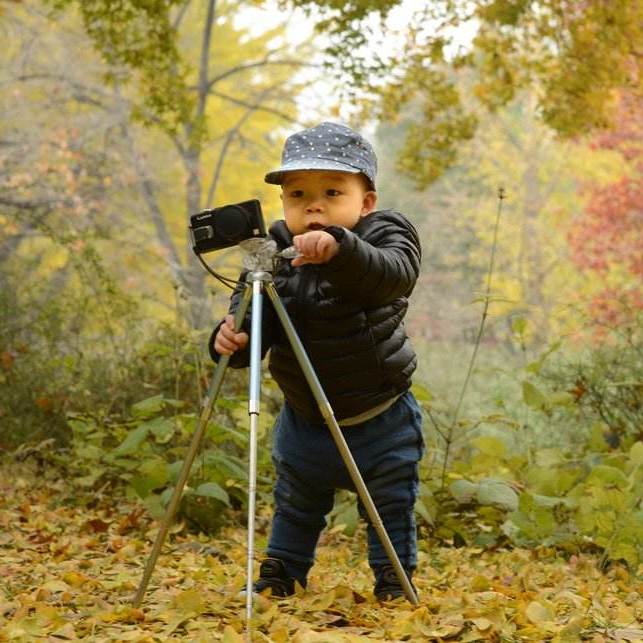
485 311
268 110
231 134
254 65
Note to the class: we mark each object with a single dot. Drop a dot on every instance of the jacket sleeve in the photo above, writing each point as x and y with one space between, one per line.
241 358
378 267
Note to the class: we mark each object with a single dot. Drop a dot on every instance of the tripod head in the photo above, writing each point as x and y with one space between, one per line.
259 254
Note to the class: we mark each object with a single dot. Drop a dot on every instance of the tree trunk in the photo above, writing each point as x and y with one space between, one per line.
532 271
198 309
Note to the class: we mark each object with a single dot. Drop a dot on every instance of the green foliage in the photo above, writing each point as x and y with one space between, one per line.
138 37
607 506
145 453
560 477
46 367
574 60
350 55
606 385
532 524
344 516
428 150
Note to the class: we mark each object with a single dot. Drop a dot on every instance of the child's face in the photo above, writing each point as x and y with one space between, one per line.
314 199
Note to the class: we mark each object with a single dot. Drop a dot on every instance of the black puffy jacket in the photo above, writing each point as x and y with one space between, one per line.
348 314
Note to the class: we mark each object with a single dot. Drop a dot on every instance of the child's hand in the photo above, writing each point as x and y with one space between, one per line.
315 246
227 341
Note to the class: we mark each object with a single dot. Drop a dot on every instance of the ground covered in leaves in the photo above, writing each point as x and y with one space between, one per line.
69 570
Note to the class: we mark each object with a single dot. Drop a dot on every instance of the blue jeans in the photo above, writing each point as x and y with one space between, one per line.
386 449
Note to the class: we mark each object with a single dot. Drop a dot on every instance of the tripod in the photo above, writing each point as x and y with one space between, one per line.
258 282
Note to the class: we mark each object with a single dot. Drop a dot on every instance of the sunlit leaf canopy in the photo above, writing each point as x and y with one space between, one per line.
577 56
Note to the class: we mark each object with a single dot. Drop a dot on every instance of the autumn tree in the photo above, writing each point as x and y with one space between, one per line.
606 239
53 170
237 90
534 277
56 293
572 54
193 101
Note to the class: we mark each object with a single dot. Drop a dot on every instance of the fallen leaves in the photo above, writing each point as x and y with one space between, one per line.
70 571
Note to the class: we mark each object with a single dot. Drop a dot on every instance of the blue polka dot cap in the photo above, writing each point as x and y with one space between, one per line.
328 146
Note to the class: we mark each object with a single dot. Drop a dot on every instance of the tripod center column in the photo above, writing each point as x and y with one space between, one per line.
256 279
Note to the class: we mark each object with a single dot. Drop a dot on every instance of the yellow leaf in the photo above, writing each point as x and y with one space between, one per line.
482 624
320 602
123 615
231 636
25 629
448 629
627 634
55 586
624 615
537 613
48 613
480 584
309 636
575 599
280 636
636 453
189 601
75 579
65 632
571 631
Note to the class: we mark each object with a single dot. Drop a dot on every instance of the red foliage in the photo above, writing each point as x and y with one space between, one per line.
610 229
627 136
609 232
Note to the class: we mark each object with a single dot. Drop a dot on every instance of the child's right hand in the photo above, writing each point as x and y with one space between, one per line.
227 341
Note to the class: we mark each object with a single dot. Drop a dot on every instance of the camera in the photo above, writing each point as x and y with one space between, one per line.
226 226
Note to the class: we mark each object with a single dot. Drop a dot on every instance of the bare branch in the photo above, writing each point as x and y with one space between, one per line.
261 63
148 191
204 59
82 92
232 133
180 14
25 205
268 110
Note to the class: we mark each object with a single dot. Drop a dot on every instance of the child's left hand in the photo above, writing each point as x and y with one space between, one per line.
316 246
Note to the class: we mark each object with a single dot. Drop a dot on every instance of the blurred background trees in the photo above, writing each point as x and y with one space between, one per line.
100 175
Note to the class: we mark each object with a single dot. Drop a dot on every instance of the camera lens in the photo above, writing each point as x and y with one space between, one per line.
203 233
231 222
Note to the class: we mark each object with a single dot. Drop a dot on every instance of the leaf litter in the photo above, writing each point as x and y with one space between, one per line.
69 570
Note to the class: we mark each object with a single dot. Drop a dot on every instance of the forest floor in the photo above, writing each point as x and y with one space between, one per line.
69 570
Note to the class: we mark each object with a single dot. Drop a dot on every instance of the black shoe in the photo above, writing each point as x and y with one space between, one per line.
272 574
387 584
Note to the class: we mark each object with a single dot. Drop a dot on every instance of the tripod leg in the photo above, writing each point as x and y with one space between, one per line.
253 412
329 416
204 417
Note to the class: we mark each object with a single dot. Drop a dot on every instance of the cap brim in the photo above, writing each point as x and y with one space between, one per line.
277 177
